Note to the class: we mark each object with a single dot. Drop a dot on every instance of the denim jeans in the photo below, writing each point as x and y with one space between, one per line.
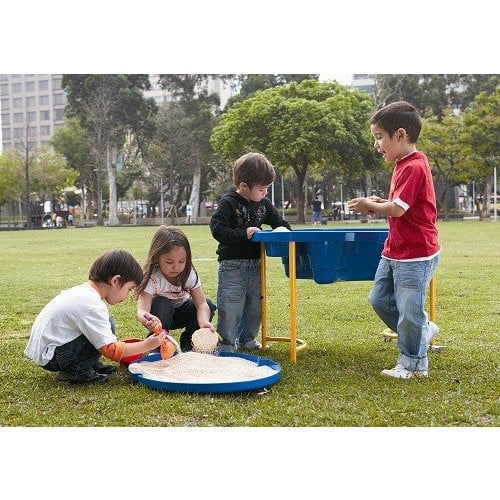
78 356
184 316
398 297
238 300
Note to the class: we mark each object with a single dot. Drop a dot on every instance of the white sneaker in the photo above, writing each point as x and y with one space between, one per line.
432 331
251 345
399 371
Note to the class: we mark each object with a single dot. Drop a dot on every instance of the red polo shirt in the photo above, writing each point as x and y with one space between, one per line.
413 236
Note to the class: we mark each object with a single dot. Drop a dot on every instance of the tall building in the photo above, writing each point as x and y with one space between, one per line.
31 107
364 82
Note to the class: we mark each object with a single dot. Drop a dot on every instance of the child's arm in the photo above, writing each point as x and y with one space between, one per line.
202 309
372 206
221 228
117 350
143 310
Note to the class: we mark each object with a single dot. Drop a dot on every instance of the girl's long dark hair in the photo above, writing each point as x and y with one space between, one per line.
165 240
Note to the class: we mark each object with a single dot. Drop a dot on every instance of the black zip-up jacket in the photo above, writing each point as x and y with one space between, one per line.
232 218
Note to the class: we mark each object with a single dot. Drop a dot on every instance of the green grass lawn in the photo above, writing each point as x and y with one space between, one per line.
336 381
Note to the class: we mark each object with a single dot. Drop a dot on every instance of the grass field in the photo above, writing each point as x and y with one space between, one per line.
336 381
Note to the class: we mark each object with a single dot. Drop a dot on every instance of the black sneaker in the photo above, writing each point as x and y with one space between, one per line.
91 377
105 369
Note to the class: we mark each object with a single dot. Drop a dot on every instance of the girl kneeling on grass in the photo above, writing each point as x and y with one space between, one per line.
75 328
170 294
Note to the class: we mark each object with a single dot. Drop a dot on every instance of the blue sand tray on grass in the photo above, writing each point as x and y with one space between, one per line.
328 255
213 387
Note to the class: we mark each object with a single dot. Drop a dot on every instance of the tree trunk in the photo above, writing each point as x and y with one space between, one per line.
194 199
113 217
301 177
368 183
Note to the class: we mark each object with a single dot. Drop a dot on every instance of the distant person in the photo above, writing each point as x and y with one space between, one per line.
70 219
170 293
411 250
74 329
316 212
189 214
59 221
239 215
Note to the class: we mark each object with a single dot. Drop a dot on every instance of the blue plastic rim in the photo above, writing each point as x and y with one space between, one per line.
212 388
328 255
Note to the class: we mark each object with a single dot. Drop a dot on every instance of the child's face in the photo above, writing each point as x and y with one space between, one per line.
173 263
118 293
391 148
257 193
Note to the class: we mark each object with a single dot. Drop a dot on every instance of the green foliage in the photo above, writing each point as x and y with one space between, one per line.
72 141
50 173
11 178
442 141
433 94
336 381
299 126
250 84
482 119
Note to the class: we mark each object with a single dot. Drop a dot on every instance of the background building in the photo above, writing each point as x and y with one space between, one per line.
364 82
31 107
213 84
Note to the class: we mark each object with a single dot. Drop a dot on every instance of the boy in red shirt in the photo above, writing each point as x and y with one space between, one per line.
411 251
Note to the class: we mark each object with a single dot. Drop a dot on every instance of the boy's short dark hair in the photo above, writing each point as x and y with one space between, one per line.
253 169
116 262
400 114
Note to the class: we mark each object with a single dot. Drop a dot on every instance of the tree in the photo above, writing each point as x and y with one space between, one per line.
249 84
50 174
72 141
298 126
433 94
198 107
443 144
11 178
482 134
110 107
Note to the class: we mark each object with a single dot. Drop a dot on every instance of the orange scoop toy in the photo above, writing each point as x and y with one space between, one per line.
167 347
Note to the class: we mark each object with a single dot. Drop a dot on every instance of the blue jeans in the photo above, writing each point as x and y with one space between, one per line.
78 356
398 297
184 316
238 300
316 217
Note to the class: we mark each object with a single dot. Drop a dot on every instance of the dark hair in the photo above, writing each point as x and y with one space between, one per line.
253 169
165 240
400 114
116 262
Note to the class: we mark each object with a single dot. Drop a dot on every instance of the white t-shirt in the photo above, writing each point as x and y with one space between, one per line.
74 312
159 285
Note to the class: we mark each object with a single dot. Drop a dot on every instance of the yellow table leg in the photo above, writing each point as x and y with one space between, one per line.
295 343
263 294
293 301
432 299
388 334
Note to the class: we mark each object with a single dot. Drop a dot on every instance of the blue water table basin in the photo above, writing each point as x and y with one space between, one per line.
328 255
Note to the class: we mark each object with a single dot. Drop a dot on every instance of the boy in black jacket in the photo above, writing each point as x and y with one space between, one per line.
240 214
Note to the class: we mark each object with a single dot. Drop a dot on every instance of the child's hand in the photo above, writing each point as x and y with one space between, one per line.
154 341
377 199
207 324
152 323
251 230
